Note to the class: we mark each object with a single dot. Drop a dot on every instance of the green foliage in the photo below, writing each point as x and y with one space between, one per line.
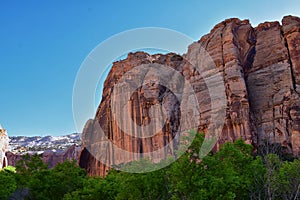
10 169
97 188
8 184
287 180
224 175
230 173
55 183
45 183
151 185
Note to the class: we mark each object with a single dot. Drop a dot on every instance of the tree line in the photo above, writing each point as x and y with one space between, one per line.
234 172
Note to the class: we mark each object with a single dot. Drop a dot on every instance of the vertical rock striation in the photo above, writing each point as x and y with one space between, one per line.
260 69
291 34
148 93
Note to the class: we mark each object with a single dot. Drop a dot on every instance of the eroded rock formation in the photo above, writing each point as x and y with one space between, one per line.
49 157
3 147
260 69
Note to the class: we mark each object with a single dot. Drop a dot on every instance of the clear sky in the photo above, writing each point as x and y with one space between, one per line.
43 43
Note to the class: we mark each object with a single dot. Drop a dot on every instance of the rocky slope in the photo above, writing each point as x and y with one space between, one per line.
51 158
260 69
54 149
39 144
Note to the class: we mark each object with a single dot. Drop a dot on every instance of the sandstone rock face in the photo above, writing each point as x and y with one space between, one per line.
148 93
270 85
260 69
230 45
49 157
13 158
53 158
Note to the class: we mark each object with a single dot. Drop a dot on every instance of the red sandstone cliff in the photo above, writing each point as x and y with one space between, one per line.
260 68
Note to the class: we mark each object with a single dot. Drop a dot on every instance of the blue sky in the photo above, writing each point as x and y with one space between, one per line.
43 43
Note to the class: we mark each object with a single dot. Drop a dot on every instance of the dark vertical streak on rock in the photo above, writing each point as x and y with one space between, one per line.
289 60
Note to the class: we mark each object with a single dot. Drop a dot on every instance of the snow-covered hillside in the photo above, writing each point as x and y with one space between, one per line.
38 144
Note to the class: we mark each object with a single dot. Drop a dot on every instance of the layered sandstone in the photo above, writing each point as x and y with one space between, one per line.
260 70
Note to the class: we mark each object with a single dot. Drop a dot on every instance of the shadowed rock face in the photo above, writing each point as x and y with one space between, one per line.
260 68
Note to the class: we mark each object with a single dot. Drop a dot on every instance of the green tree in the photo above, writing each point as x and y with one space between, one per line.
223 175
257 188
44 183
287 180
97 188
27 167
55 183
148 186
8 184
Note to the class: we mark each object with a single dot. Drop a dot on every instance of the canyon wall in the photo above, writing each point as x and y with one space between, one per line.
260 70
